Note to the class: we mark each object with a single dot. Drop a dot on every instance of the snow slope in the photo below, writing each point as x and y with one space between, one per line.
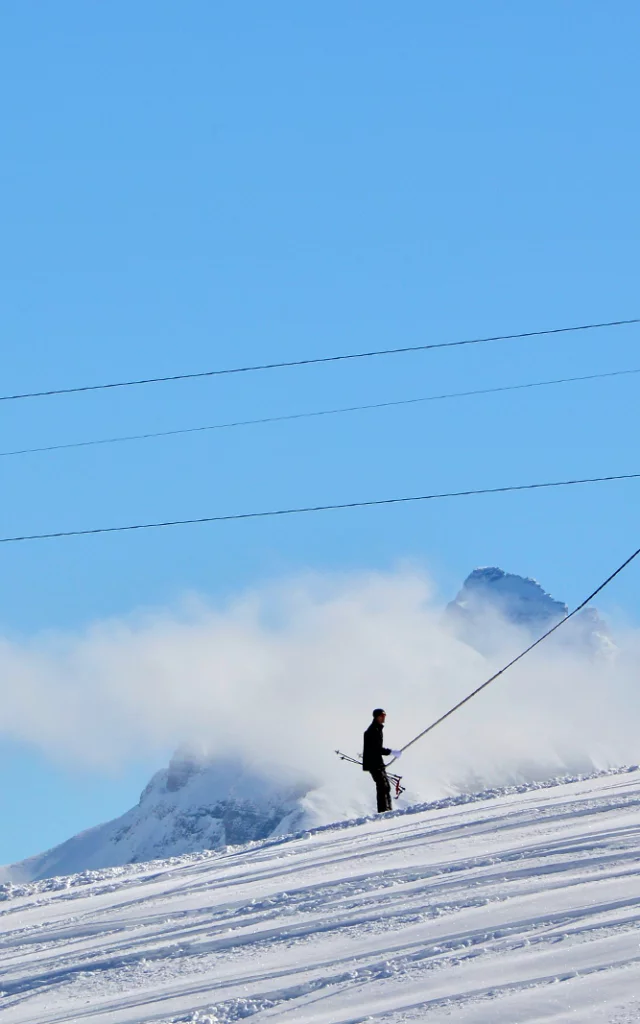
505 909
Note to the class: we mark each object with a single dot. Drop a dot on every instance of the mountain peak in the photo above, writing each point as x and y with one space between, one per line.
519 599
490 597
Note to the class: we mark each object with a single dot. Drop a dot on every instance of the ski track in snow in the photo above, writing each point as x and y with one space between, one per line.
515 909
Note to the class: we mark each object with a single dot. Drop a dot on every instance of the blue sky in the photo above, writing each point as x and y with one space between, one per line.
196 185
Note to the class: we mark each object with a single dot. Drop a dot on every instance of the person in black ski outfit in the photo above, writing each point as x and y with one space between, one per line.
372 754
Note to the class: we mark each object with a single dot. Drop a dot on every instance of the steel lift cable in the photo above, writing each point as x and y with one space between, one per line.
315 361
316 413
270 513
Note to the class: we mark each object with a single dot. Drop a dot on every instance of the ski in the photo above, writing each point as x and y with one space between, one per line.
396 779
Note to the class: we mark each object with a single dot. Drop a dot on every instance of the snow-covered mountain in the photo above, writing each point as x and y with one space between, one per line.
200 803
195 804
491 597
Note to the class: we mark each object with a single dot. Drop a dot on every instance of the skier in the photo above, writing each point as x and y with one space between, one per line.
372 754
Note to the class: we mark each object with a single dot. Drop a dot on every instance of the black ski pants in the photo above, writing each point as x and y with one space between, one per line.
383 789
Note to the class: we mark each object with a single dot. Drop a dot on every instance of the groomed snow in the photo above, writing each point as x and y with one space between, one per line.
523 907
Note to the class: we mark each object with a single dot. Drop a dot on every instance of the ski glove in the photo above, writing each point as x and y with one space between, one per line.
396 754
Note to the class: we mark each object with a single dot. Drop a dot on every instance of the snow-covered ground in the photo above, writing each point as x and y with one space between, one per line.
516 908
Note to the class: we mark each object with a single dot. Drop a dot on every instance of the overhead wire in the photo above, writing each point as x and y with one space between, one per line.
519 657
272 513
314 361
314 414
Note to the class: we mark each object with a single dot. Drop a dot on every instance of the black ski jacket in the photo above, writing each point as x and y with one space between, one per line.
373 751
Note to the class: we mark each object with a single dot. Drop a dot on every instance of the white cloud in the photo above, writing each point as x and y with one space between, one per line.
290 672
